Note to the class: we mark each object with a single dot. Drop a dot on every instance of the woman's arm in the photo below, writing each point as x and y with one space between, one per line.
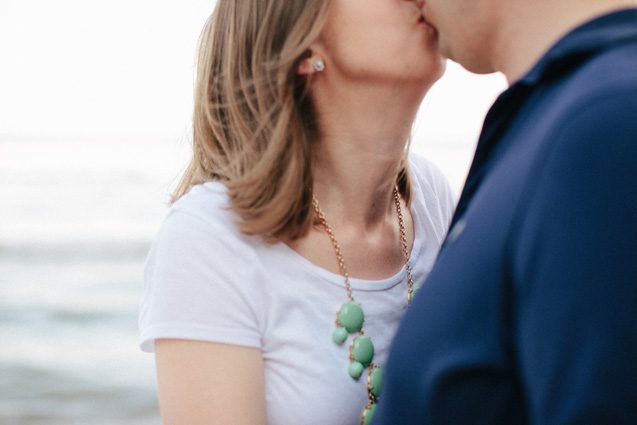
204 383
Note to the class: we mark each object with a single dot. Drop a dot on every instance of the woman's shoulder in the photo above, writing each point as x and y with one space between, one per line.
200 275
207 202
427 173
202 225
430 178
431 190
209 205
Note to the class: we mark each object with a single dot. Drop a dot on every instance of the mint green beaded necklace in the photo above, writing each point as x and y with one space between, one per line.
350 317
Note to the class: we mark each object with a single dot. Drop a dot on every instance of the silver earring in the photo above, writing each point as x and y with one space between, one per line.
318 65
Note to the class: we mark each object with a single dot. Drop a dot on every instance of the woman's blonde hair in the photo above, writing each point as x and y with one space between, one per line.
254 123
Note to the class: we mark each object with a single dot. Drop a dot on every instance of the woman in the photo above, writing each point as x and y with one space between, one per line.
300 179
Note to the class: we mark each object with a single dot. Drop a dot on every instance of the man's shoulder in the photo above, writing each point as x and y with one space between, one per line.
593 146
594 103
601 128
588 140
606 74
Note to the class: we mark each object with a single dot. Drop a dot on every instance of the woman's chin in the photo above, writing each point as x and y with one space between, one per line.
431 66
430 37
422 78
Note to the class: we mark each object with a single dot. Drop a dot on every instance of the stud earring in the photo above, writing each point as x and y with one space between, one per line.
318 65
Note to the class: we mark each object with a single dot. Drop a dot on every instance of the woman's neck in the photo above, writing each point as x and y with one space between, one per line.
364 132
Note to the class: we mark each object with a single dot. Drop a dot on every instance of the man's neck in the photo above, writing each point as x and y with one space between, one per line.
529 29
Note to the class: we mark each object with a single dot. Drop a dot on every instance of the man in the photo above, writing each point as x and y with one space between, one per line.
530 314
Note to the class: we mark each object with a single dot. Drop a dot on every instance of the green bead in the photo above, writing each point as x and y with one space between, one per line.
368 413
363 350
355 370
411 294
414 292
339 335
375 381
351 316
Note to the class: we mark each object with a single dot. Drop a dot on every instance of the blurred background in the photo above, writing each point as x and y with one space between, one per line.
95 106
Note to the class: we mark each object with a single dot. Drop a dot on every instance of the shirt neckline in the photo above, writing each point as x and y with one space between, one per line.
417 205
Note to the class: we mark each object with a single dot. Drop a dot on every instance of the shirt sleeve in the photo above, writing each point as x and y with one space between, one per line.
198 285
576 270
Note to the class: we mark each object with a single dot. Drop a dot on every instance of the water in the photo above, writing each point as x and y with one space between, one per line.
68 322
76 221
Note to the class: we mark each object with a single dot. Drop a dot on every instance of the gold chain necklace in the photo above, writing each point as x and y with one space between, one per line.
350 317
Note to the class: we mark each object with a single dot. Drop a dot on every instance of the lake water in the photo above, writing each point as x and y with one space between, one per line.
76 221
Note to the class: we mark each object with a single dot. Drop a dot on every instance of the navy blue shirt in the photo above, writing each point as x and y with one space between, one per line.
530 314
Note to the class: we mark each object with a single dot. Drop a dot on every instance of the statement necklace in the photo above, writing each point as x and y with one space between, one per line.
350 318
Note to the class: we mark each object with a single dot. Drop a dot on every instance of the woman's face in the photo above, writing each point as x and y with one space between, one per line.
381 40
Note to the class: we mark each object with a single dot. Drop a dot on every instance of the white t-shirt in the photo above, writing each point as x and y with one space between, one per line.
204 280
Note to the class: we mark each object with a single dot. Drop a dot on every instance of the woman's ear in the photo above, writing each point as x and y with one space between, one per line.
310 64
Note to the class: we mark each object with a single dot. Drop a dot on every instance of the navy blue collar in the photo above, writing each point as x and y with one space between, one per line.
566 55
584 41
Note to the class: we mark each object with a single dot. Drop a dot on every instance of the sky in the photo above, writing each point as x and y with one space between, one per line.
87 69
122 70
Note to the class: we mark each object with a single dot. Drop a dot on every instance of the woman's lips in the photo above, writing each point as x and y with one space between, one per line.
423 20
